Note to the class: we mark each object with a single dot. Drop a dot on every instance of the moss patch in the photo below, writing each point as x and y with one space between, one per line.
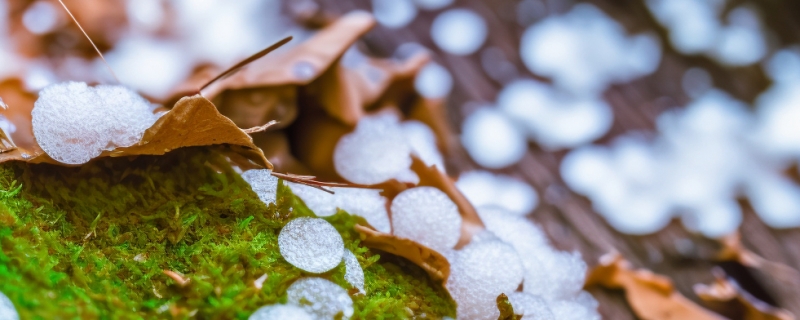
92 243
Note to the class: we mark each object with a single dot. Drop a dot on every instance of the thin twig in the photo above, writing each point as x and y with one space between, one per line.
247 61
260 128
180 279
312 182
90 41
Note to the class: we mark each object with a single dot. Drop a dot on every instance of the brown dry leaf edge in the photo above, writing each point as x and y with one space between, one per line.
725 293
193 121
651 296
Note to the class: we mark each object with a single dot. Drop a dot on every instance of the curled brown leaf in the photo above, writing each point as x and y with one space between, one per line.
651 296
726 294
435 264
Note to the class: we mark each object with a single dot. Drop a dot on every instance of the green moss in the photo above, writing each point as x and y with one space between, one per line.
92 243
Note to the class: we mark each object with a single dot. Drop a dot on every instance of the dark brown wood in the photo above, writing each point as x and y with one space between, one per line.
567 217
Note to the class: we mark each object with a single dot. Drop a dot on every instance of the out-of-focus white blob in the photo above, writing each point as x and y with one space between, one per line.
321 298
222 32
492 139
433 4
554 118
150 65
695 82
38 75
716 219
147 15
428 216
366 203
353 273
695 28
7 310
479 273
41 17
311 244
433 81
74 123
742 42
422 141
587 169
778 111
484 189
703 158
394 13
263 183
376 151
531 307
784 66
280 312
584 51
693 24
459 31
776 200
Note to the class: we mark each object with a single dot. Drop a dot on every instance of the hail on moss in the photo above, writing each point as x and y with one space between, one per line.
95 242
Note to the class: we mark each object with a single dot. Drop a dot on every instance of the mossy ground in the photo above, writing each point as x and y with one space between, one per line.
92 243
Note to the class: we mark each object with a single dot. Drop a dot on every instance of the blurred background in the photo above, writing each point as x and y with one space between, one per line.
659 129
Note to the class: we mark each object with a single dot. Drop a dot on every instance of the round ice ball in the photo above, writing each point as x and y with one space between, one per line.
459 31
320 297
280 312
492 140
428 216
311 244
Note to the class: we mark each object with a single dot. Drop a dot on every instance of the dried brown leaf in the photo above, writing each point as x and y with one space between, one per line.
194 121
298 65
651 296
435 264
726 294
344 92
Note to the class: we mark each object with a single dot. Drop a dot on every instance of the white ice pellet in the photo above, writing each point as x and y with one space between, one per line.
483 188
263 183
433 4
586 170
74 123
41 17
584 51
311 244
422 141
376 151
353 273
522 234
582 307
554 274
784 65
281 312
366 203
531 307
716 219
394 13
695 27
554 118
428 216
321 298
776 200
479 273
459 31
433 81
7 310
492 139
